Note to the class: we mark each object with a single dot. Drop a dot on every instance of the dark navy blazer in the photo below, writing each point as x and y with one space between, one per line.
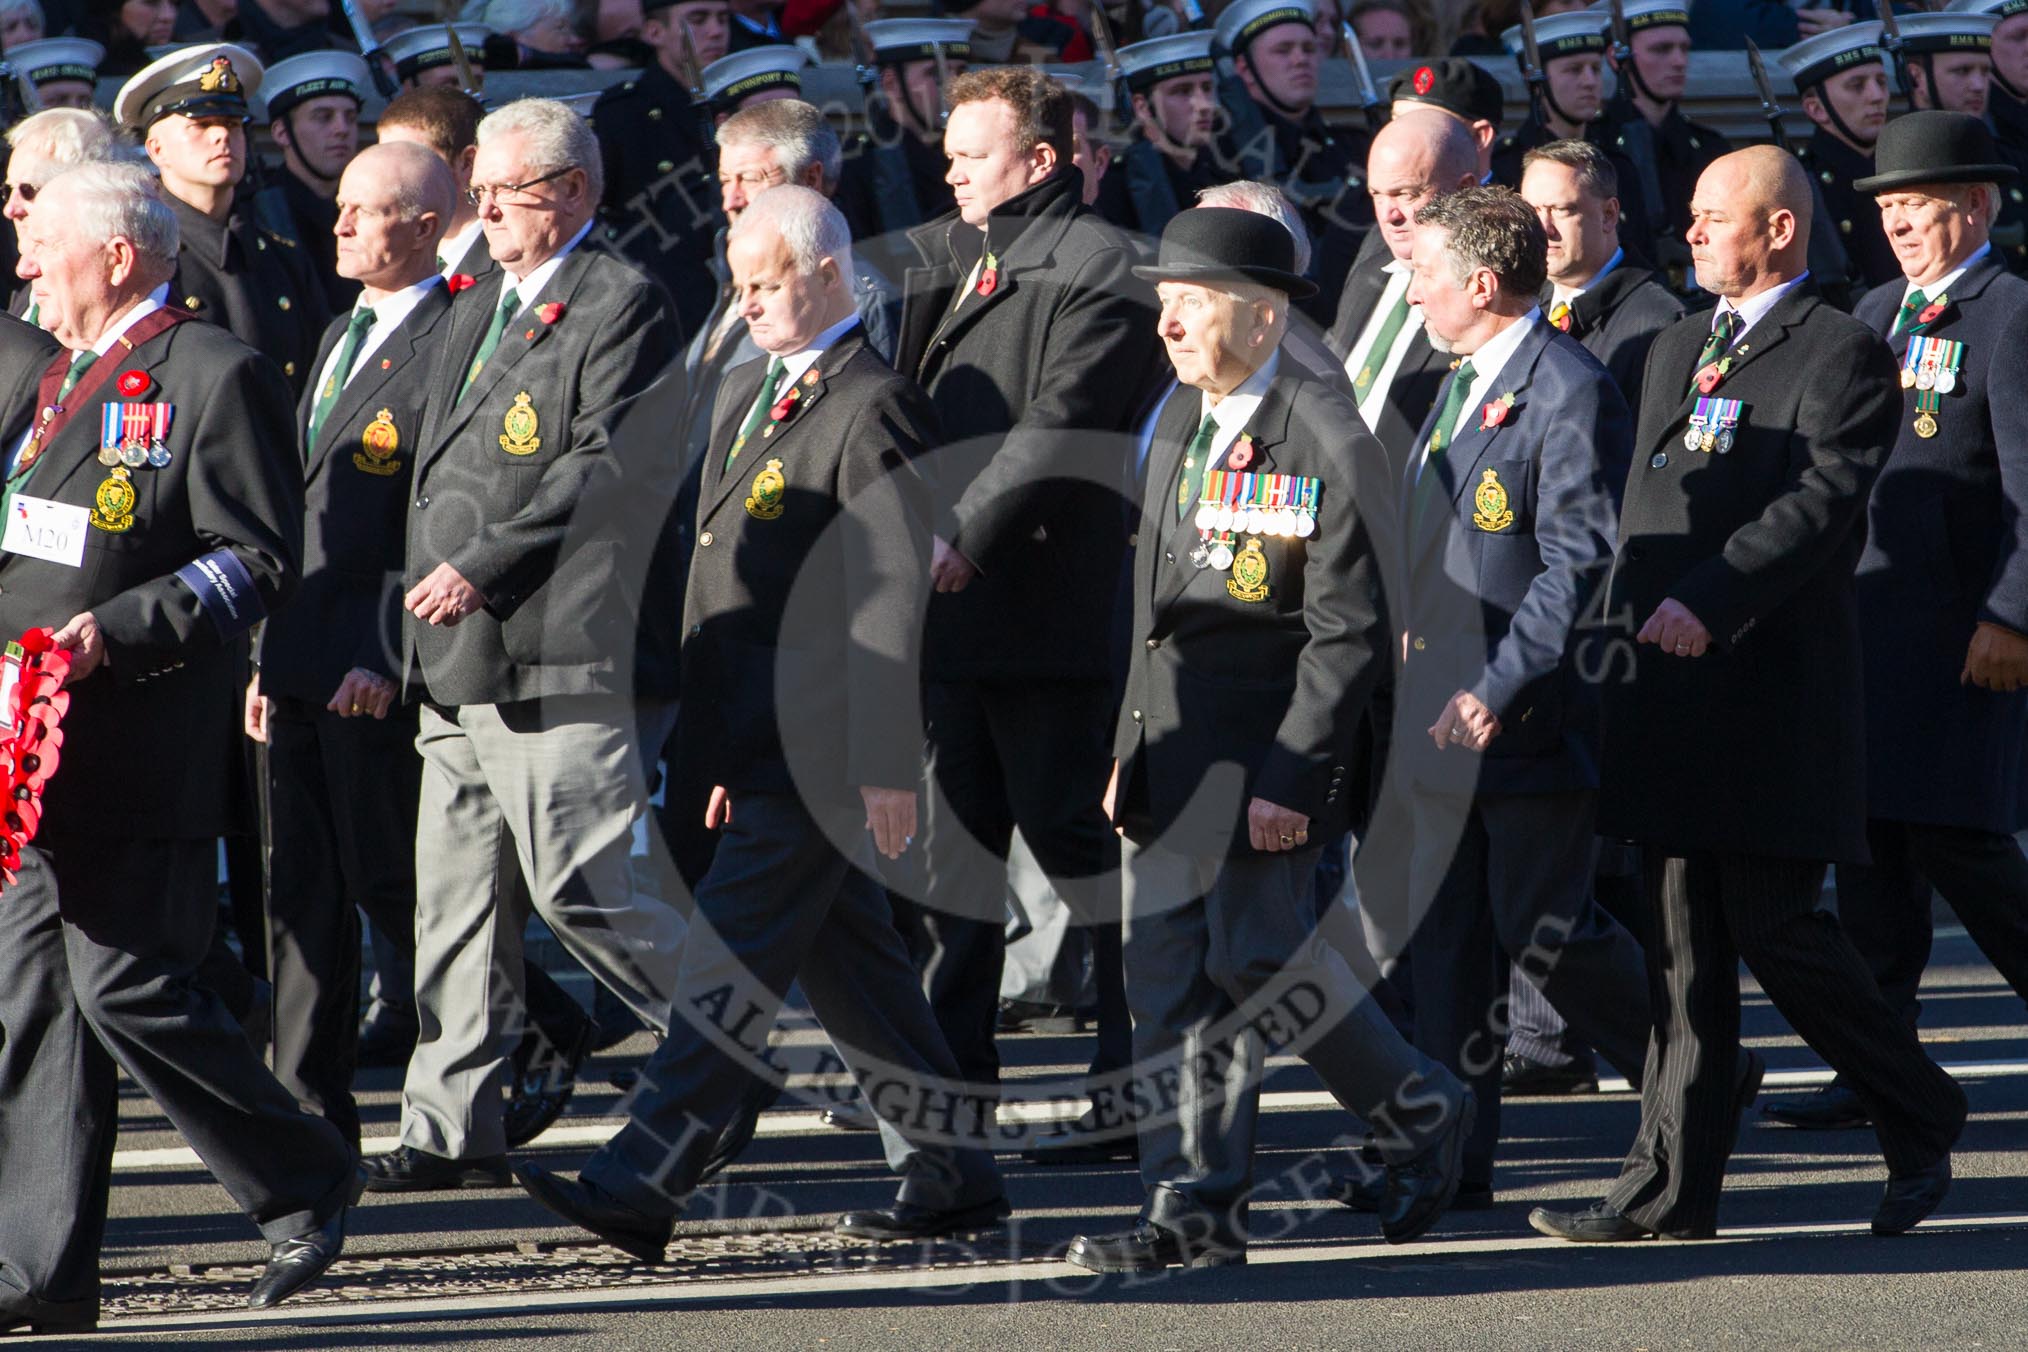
1500 580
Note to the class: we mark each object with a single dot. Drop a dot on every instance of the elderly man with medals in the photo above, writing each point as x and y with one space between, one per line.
1942 584
1260 636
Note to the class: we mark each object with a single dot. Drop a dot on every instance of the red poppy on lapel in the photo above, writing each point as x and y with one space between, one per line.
785 405
1708 378
460 281
132 383
1241 454
1496 412
989 275
1934 310
549 313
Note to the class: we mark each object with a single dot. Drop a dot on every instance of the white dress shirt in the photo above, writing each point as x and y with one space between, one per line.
388 313
1754 308
1384 364
1560 294
526 289
1942 285
1489 369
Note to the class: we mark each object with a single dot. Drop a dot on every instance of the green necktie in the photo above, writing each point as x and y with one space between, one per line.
1723 331
1197 456
510 305
34 315
1383 343
80 362
1431 479
348 354
1904 318
758 414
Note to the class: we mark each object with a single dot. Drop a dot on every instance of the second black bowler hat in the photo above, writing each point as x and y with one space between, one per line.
1453 84
1934 147
1225 244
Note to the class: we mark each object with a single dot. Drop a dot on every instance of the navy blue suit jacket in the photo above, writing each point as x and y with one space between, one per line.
1947 548
1496 591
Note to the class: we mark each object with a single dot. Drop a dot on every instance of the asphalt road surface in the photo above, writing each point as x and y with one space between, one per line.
755 1267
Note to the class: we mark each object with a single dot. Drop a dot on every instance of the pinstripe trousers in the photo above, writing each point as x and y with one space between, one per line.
1710 912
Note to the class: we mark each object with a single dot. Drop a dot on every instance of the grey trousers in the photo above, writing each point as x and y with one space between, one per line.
551 788
1224 965
790 898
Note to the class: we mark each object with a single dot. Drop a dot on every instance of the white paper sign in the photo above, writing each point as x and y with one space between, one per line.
42 529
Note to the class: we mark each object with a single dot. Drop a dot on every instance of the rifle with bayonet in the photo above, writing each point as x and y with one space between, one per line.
18 98
1531 68
369 49
1829 264
1891 44
1109 56
864 67
468 79
1637 139
1193 14
1362 78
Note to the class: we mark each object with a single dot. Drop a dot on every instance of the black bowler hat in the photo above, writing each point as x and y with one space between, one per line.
1457 86
1226 244
1934 147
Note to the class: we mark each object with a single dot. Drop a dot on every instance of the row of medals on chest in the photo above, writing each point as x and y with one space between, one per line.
1930 367
1227 508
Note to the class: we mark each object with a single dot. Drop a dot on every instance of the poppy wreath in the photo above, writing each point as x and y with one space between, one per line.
32 705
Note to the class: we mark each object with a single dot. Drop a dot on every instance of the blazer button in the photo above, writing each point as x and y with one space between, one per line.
1418 645
422 502
663 166
696 629
282 301
1154 643
705 539
1134 540
1170 557
1137 715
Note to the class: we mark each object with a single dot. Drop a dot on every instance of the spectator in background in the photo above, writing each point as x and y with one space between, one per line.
1012 32
616 36
38 149
20 21
1386 29
755 23
127 29
1725 25
541 30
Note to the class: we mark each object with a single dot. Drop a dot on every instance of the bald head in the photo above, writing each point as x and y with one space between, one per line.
1750 222
395 202
1415 157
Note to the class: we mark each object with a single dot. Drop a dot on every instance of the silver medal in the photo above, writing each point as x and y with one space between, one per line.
1223 521
1200 557
1725 441
1207 516
1221 556
1306 525
1693 436
133 455
1946 381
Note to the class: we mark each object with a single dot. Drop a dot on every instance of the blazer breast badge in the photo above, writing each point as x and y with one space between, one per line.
377 445
521 425
1489 502
764 502
1249 574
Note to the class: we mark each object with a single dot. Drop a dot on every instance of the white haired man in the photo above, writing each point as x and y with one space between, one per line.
163 557
39 148
808 490
519 638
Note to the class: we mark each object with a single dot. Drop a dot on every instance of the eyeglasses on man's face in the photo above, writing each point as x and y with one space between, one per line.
509 193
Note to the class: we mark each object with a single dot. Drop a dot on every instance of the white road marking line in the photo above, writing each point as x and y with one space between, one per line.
798 1122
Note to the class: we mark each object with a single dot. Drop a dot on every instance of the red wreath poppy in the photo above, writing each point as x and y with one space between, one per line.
132 383
460 281
549 313
1425 79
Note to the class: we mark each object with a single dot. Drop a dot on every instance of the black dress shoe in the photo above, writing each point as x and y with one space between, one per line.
19 1313
590 1207
1911 1197
852 1115
294 1263
544 1080
1420 1190
760 1096
905 1220
1149 1248
1367 1192
1595 1225
1083 1142
1521 1077
407 1169
1832 1107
